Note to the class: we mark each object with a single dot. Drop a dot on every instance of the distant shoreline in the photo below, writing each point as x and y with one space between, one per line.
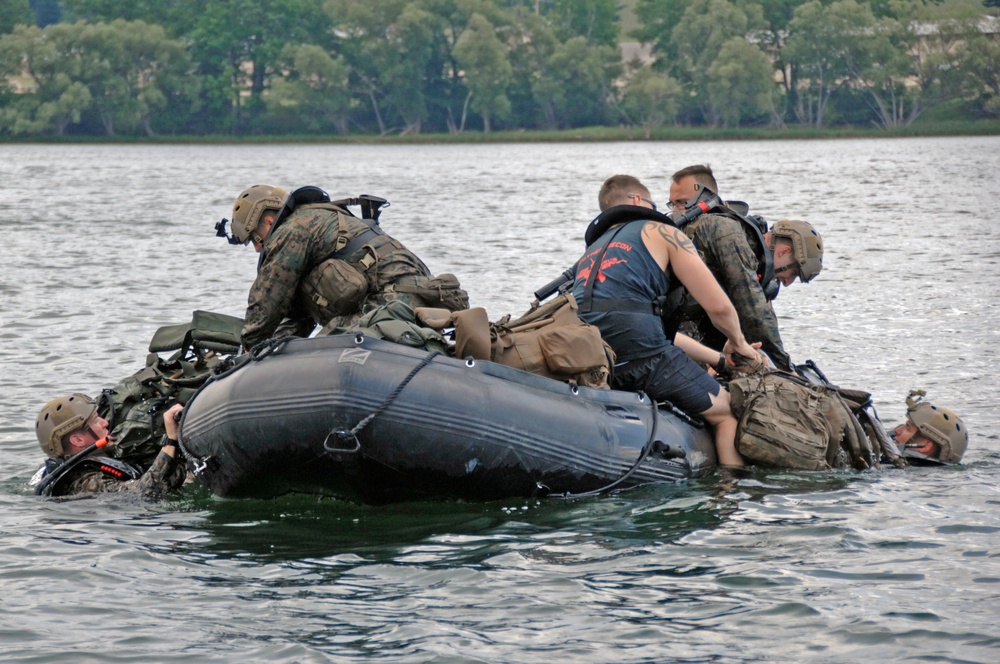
582 135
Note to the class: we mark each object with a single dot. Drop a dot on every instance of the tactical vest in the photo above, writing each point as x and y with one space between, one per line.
365 261
755 227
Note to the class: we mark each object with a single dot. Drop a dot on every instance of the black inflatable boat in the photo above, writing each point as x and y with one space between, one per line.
375 421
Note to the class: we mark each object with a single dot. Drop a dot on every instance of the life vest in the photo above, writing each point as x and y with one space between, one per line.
55 474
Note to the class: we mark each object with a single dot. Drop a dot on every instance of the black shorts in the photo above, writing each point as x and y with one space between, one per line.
669 376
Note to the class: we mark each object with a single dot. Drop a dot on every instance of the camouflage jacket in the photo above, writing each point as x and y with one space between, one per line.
293 249
725 247
165 474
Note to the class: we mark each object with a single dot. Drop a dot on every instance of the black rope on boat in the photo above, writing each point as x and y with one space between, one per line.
646 449
350 438
265 348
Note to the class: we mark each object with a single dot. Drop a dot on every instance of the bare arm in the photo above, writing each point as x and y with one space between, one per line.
697 351
729 252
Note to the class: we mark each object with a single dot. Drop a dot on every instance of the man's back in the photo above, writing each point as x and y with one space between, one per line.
627 272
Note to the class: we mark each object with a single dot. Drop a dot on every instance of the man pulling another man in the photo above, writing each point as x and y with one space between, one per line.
633 259
747 259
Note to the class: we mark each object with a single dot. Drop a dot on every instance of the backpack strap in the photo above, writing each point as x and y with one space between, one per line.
663 307
753 224
347 247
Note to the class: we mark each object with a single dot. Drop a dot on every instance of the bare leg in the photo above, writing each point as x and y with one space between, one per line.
723 424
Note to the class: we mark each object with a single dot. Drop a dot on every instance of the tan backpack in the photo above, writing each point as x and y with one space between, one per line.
786 423
550 340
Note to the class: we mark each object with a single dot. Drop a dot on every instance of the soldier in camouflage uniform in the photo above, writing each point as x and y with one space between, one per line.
124 441
319 264
734 257
74 435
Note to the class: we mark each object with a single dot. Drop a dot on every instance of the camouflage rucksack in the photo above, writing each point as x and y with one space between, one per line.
395 322
134 405
787 422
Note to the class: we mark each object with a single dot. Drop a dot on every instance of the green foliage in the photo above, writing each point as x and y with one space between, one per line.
594 20
980 74
487 71
651 98
237 43
311 94
575 88
705 27
46 12
14 12
830 45
124 71
740 84
413 66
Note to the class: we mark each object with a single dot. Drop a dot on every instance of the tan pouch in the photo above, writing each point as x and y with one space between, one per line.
334 288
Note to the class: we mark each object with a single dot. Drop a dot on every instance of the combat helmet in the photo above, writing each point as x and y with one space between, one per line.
938 424
250 206
806 243
59 417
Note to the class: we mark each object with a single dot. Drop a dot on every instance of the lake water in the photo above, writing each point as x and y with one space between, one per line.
103 244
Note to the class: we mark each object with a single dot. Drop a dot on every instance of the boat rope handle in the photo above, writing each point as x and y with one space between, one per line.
342 435
266 347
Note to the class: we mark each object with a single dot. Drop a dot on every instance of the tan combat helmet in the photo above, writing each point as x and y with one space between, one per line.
250 206
938 424
806 243
59 417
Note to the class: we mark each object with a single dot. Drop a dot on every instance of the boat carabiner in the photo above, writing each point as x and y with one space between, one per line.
344 442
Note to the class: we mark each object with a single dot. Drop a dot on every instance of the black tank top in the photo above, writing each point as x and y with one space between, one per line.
627 272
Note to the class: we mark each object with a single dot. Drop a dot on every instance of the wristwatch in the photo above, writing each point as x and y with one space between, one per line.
720 366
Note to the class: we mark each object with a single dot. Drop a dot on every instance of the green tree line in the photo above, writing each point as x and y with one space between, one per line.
250 67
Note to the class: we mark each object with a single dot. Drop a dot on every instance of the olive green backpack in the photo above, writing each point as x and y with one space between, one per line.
134 405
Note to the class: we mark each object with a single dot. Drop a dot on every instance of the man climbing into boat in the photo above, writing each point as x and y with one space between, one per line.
748 259
104 444
76 438
635 257
321 265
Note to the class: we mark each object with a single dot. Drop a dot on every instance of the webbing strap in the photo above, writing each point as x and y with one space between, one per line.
587 305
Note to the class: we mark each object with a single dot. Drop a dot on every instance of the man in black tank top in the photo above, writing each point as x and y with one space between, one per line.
618 280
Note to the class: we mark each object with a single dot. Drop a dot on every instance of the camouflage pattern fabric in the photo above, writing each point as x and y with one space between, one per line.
298 245
729 253
165 474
